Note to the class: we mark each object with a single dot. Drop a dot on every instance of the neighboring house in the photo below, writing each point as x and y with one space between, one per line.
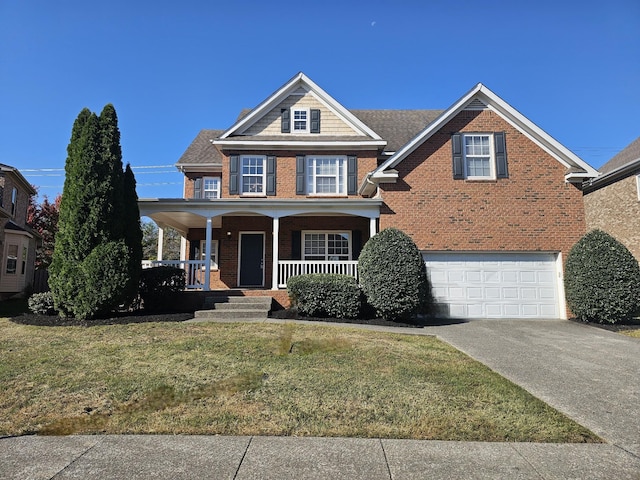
17 241
612 200
300 183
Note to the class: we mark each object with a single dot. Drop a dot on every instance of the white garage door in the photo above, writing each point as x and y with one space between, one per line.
495 285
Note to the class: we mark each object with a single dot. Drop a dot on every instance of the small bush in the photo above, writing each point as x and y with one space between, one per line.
158 286
325 295
602 279
393 276
41 304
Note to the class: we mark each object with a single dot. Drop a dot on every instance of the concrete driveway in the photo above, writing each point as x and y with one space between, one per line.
590 374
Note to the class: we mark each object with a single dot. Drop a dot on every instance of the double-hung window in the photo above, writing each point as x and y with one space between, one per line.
334 246
211 187
300 120
326 175
214 252
12 259
252 170
14 201
478 154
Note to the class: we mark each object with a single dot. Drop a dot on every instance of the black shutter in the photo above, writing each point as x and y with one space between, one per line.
501 155
285 120
315 121
352 175
197 188
271 175
300 168
456 149
296 245
356 244
233 174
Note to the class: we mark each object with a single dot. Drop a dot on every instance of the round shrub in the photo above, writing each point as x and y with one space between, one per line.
602 279
41 303
393 276
325 295
159 285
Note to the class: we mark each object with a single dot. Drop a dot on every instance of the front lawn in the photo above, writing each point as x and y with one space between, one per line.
259 379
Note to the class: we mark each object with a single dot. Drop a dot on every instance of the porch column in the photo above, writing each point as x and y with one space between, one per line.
207 257
274 269
372 227
160 242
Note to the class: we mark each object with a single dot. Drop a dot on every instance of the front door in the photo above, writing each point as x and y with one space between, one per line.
251 260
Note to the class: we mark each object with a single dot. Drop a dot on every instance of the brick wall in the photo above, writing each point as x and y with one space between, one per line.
616 210
534 209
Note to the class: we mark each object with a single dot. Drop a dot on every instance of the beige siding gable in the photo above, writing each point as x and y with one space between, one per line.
330 123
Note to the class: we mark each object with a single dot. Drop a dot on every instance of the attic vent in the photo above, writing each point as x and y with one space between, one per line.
476 105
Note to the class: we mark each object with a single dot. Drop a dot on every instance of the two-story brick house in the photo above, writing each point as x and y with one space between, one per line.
300 183
17 241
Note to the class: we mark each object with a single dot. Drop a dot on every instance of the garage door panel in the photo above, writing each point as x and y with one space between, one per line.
509 285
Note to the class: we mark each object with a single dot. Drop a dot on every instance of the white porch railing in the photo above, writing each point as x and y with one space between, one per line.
193 268
290 268
286 269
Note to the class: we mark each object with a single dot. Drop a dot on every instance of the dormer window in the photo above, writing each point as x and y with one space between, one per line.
300 120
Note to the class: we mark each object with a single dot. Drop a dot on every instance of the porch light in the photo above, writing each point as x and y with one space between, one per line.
229 235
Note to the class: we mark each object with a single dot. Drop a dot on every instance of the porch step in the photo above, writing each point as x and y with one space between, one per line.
224 308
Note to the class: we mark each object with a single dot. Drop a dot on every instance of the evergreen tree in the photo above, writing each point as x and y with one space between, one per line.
86 274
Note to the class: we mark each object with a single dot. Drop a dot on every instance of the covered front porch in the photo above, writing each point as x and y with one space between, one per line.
261 243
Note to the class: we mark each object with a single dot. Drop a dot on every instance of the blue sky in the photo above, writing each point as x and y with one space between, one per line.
173 68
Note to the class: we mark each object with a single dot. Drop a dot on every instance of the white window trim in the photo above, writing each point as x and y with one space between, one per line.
638 184
216 187
12 257
492 156
214 253
307 121
304 233
264 176
311 177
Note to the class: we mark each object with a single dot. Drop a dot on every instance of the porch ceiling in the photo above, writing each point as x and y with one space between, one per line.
183 214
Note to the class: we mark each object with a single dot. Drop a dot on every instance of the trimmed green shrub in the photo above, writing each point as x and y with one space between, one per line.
41 304
602 279
104 278
325 295
393 276
159 285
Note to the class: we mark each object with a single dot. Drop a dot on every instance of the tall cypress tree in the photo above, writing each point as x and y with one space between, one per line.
90 271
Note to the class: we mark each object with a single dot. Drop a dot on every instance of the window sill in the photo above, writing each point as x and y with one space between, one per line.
481 180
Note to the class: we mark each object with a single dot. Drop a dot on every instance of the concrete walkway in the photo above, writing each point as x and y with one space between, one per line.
588 373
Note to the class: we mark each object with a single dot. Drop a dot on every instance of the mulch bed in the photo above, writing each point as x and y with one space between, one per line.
117 319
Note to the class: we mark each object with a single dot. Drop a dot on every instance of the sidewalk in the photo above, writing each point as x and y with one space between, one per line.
213 457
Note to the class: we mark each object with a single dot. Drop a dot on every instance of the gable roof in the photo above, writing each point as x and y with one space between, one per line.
234 135
397 127
629 154
16 173
622 165
481 95
201 152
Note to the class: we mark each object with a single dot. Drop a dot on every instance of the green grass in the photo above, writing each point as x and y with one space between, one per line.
260 379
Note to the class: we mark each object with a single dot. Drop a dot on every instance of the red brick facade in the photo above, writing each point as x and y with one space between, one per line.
531 210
